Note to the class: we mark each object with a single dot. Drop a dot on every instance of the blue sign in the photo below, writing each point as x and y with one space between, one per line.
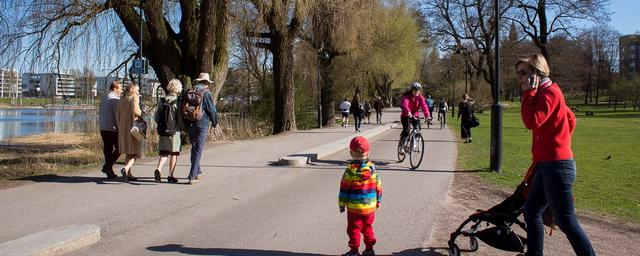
140 66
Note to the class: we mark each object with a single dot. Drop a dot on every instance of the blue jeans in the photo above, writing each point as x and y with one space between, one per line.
197 137
552 186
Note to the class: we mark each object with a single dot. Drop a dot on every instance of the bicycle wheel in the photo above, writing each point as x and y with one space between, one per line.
417 151
401 155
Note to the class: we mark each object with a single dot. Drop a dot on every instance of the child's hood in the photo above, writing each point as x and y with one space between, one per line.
361 169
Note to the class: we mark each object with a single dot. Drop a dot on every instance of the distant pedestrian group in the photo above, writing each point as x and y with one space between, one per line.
123 129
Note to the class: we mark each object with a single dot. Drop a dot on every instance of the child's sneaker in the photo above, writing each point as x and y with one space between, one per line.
351 253
369 253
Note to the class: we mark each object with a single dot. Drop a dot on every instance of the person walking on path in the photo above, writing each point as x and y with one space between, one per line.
544 111
357 109
367 112
170 124
109 128
198 125
360 194
378 105
128 111
430 105
442 110
411 102
344 108
465 109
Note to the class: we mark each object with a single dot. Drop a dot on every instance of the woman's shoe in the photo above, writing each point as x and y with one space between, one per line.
156 175
123 171
130 176
172 179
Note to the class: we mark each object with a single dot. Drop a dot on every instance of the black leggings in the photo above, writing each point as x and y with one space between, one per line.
405 126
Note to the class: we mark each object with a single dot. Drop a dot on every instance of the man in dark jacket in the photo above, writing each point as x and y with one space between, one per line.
109 129
198 130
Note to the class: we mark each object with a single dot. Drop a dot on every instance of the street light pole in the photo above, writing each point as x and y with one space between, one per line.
496 108
320 55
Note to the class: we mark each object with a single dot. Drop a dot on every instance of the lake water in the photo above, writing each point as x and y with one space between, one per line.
23 122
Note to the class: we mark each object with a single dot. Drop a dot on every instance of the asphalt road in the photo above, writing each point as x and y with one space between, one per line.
243 206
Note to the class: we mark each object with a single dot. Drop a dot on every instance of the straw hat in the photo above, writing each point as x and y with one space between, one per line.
203 77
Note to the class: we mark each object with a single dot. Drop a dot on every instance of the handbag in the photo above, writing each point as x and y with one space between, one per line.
475 122
139 129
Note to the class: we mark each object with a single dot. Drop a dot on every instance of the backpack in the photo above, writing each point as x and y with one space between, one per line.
442 106
192 105
167 118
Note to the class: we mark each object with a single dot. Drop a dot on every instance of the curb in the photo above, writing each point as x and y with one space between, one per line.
309 155
55 241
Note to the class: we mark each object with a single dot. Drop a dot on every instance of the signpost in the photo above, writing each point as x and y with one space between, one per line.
140 67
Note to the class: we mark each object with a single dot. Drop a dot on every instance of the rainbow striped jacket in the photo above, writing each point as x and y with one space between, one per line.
360 188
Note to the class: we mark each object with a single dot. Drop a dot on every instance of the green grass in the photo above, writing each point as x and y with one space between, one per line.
610 187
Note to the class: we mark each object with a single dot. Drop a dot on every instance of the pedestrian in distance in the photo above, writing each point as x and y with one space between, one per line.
128 111
360 195
367 112
345 105
378 105
442 110
198 111
545 113
465 109
169 123
430 105
109 128
357 109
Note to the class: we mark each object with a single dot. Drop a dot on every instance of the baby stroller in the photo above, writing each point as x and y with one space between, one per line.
499 219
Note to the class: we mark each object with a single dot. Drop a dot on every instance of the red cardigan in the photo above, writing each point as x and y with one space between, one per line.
545 112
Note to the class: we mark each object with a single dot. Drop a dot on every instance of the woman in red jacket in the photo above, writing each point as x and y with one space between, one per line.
545 113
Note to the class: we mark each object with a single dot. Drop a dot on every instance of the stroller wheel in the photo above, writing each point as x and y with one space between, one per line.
473 243
454 250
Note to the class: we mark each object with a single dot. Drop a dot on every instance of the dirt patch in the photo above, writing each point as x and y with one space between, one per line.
468 193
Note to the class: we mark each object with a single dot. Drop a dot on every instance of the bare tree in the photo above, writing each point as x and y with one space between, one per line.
201 44
539 19
468 25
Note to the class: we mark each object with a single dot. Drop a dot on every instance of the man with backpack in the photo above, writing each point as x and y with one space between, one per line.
198 110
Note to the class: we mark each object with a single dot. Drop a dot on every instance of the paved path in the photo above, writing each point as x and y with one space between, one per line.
243 206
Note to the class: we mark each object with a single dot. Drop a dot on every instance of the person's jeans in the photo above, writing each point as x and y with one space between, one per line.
552 186
110 149
379 117
197 137
357 120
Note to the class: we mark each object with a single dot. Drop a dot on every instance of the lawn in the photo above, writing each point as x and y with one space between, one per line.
604 185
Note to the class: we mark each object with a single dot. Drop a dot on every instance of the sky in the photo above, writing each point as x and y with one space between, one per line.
624 16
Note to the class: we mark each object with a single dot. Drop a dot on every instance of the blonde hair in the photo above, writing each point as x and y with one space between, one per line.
535 62
174 86
130 90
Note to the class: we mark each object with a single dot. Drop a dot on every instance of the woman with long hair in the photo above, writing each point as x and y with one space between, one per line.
465 109
545 113
128 111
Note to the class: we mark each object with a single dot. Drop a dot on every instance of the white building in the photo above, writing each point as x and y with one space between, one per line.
50 84
10 83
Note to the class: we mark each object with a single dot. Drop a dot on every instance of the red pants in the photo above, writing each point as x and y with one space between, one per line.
357 224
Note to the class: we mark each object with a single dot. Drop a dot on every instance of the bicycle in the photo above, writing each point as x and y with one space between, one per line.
414 145
442 116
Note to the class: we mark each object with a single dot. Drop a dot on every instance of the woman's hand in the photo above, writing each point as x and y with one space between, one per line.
532 83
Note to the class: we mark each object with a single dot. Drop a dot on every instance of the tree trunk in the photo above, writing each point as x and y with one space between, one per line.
544 31
328 91
598 81
284 118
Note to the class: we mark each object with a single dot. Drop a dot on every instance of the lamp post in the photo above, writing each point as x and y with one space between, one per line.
460 50
496 108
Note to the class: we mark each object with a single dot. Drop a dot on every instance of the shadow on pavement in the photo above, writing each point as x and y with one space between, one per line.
53 178
405 169
431 251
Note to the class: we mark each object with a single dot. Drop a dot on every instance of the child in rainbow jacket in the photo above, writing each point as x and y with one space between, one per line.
360 194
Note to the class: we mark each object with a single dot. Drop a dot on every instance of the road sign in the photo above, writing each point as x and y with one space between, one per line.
140 66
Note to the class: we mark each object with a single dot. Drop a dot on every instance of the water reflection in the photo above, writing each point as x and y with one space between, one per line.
23 122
